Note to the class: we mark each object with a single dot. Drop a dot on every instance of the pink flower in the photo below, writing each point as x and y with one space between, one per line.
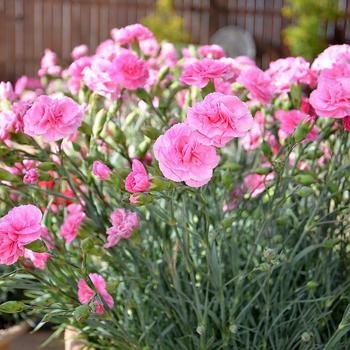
211 51
252 139
219 118
331 99
47 238
31 176
256 183
182 157
130 71
72 222
79 51
124 222
98 78
149 47
39 260
20 109
100 170
168 55
332 55
85 293
24 83
7 124
53 119
6 91
21 226
200 72
258 84
107 50
75 70
289 122
49 64
137 180
290 70
131 33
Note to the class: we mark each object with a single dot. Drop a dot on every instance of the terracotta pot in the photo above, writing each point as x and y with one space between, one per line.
73 340
7 336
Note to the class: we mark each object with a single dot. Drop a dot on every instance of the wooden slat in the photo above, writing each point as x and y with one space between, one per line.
27 27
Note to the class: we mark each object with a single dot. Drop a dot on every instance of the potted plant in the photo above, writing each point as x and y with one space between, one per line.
150 201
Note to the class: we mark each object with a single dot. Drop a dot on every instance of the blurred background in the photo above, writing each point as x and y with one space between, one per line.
266 29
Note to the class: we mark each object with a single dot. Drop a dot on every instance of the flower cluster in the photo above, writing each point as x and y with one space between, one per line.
154 177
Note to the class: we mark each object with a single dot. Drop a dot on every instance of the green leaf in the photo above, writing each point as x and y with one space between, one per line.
12 307
37 246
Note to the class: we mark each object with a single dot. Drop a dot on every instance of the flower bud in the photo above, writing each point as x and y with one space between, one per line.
302 131
12 307
305 179
99 123
81 313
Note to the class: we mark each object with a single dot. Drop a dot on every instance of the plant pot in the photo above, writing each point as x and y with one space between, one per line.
73 340
8 335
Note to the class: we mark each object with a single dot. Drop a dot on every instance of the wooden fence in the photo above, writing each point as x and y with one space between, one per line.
27 27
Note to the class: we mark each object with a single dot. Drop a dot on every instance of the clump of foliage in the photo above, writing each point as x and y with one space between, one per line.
166 24
307 37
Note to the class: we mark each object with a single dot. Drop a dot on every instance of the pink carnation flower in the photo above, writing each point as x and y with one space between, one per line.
49 64
290 120
21 226
130 71
219 118
258 84
201 72
79 51
85 293
131 33
75 70
336 54
100 170
107 50
290 70
39 260
98 77
137 180
124 222
6 91
331 99
256 183
7 124
211 51
53 119
182 157
72 222
149 47
31 176
168 55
